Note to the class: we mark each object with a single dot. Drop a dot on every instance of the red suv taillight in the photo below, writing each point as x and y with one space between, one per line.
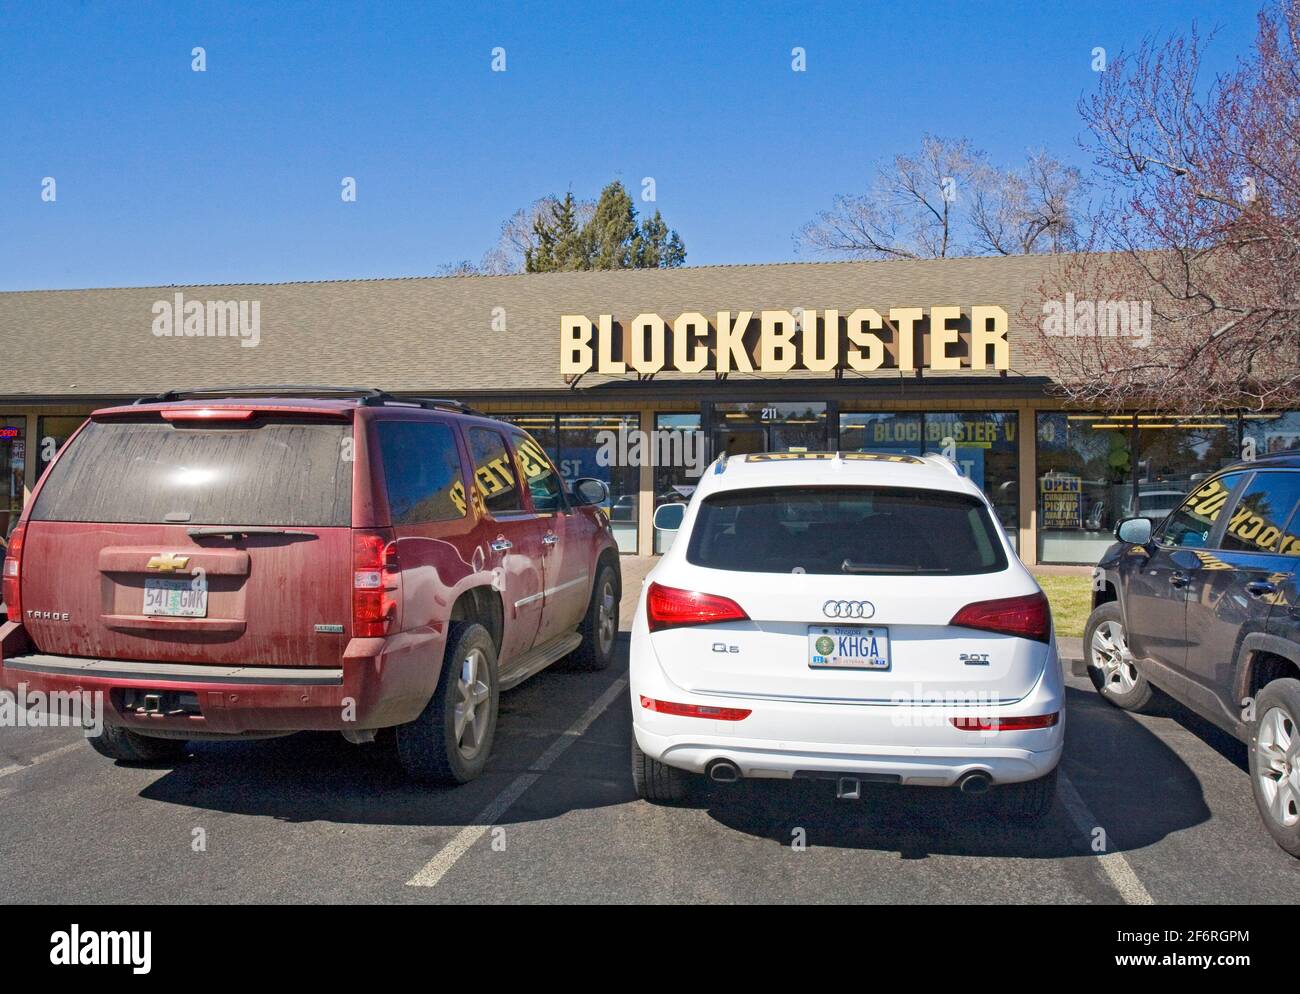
13 569
376 584
669 607
1027 617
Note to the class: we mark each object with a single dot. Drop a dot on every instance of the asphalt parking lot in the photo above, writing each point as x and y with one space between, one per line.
310 818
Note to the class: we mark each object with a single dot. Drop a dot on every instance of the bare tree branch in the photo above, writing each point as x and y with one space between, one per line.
948 200
1201 222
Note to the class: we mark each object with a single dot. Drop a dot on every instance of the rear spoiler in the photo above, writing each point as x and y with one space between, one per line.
227 409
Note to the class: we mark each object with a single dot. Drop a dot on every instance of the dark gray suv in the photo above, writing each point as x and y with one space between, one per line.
1204 605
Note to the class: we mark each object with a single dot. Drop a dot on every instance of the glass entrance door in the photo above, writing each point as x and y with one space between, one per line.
800 426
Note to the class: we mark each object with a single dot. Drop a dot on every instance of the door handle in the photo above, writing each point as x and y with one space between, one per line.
1259 588
501 544
1179 579
551 538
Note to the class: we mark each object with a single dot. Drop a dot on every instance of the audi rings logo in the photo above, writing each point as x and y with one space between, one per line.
849 609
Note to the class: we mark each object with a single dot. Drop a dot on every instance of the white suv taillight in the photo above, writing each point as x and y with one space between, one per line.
1027 617
671 607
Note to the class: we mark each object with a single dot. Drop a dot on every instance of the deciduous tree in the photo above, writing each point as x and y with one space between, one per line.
1200 220
950 200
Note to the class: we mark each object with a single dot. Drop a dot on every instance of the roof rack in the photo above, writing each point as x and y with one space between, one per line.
272 389
439 402
368 396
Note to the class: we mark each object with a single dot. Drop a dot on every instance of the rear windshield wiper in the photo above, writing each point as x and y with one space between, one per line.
849 566
219 532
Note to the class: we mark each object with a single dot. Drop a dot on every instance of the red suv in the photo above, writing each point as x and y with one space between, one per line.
254 566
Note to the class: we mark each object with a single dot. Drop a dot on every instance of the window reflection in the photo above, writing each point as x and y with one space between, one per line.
588 445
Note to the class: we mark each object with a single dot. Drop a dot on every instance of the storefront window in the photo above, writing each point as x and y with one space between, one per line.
741 428
1084 486
53 432
679 437
1271 433
985 445
882 432
541 427
13 459
1174 454
596 445
982 443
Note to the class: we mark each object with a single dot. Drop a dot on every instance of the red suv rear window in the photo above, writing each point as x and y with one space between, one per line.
268 471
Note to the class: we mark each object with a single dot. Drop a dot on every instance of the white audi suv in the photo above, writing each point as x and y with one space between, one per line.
856 617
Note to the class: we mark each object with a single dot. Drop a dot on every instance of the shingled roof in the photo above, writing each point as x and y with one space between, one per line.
437 334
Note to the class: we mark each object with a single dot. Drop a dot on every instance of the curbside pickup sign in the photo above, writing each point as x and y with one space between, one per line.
820 341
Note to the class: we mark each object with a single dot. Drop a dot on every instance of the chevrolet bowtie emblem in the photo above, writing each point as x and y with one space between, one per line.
168 562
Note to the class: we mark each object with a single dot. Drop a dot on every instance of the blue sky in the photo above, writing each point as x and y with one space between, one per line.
165 175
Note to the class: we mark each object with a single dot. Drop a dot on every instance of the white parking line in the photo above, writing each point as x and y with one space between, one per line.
1118 870
434 870
37 760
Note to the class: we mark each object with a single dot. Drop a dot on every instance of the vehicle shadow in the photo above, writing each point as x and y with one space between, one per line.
1229 747
318 776
1135 787
1131 784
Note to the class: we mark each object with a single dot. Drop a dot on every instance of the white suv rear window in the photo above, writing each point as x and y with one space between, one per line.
846 530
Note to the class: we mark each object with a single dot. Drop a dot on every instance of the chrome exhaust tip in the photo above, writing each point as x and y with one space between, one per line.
975 782
723 771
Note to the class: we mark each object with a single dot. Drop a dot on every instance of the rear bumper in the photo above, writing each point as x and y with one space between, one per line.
381 682
916 745
929 766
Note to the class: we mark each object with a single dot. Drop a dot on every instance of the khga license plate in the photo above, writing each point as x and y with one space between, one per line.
848 647
174 598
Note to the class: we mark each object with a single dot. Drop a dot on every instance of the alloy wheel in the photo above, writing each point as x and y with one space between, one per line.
1278 769
606 618
1111 655
473 703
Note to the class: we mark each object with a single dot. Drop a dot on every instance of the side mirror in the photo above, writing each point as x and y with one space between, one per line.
1134 531
590 491
668 517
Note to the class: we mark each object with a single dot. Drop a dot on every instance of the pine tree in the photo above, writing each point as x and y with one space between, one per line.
612 229
611 239
655 247
570 250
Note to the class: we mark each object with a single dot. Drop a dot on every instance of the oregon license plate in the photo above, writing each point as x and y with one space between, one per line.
174 598
848 647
